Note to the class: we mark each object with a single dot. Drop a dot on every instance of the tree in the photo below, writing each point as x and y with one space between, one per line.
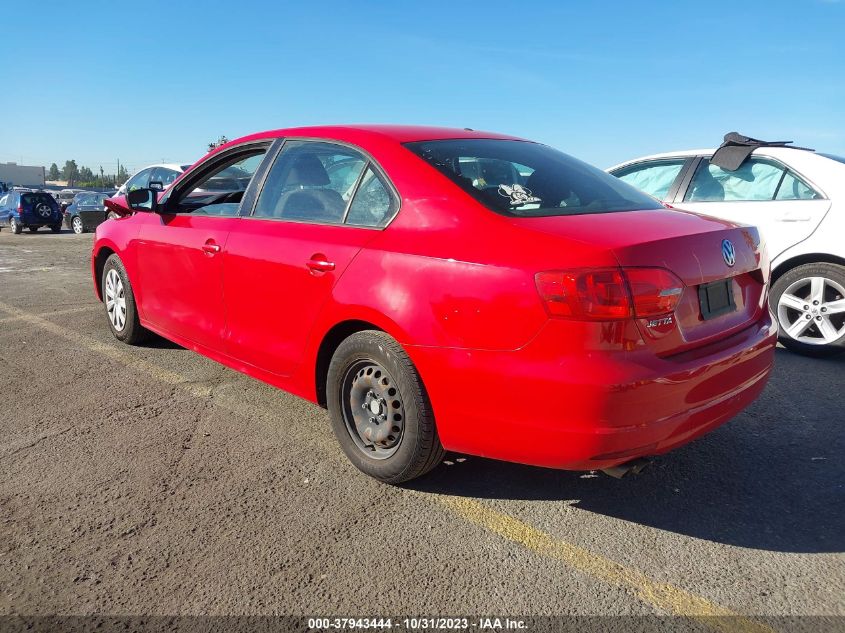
85 174
70 172
53 172
221 140
122 175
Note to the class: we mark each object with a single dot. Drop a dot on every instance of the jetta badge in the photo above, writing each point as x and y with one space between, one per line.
728 252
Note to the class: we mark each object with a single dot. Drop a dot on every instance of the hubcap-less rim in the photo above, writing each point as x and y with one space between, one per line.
812 310
373 409
115 300
77 225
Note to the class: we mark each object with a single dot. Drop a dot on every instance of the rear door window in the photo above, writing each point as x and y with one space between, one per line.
793 188
300 185
373 204
654 177
755 180
524 179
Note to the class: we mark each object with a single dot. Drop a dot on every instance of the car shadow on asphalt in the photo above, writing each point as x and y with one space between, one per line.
159 342
771 479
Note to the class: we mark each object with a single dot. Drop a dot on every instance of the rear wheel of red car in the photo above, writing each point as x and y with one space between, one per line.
809 302
119 300
379 408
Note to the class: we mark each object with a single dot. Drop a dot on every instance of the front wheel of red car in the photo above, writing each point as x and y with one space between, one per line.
379 408
119 300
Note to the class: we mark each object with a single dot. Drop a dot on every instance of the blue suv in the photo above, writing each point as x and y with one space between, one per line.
31 210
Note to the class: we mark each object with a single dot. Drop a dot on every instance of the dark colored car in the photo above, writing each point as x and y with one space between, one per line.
65 198
86 212
31 210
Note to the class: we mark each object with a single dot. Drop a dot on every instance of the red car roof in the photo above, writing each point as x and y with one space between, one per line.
355 133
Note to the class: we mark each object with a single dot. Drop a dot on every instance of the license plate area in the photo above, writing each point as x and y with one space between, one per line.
716 298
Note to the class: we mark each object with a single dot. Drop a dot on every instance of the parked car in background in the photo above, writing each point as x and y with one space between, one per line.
797 199
525 314
29 210
65 197
86 213
164 173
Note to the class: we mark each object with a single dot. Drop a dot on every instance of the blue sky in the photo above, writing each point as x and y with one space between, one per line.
604 81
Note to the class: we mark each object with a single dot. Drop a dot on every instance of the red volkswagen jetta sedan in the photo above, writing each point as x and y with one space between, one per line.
447 289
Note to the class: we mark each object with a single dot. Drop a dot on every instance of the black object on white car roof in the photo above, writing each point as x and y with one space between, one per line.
736 149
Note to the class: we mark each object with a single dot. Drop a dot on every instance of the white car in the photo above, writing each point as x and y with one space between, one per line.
165 173
796 197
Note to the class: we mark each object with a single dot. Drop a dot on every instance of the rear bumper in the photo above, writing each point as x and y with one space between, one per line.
28 219
589 409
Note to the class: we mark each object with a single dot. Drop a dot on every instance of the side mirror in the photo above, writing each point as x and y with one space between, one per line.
155 185
117 205
142 200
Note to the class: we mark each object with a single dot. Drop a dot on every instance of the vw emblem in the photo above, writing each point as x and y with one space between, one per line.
728 252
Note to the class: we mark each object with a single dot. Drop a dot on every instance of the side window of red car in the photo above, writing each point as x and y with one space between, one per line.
373 204
313 181
219 191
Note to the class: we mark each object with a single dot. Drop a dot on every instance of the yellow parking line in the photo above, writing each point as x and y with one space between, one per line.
46 314
664 597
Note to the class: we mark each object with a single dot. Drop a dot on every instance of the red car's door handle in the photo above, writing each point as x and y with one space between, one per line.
319 263
211 247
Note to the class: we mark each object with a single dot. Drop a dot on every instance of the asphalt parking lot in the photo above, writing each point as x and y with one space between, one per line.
151 480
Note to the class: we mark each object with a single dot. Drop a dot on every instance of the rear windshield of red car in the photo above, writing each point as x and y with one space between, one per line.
525 179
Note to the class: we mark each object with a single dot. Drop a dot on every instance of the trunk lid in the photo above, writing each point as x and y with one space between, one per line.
691 247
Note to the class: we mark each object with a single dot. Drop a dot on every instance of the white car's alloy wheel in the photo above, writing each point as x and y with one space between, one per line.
812 310
77 225
115 300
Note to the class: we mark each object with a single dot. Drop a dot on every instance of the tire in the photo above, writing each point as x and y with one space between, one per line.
15 226
793 300
56 228
33 229
128 329
403 455
77 226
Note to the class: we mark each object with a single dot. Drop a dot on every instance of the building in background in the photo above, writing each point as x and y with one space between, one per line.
21 175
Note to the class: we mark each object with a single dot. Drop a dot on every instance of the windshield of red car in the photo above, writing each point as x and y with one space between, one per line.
524 179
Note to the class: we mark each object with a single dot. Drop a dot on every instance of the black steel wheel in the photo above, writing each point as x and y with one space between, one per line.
372 409
380 411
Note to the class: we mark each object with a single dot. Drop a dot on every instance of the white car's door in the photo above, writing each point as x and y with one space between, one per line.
762 192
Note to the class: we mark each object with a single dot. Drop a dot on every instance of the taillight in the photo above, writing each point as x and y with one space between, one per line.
20 209
655 291
609 294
